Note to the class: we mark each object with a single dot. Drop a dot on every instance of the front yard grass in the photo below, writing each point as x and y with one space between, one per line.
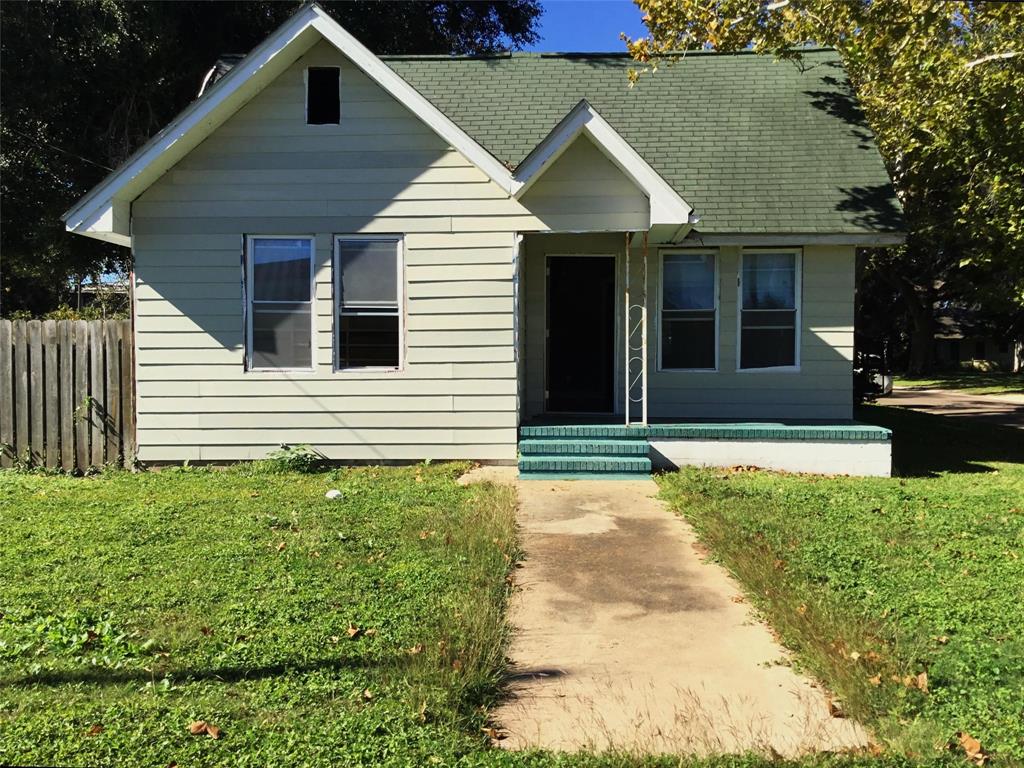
309 631
905 595
968 382
363 631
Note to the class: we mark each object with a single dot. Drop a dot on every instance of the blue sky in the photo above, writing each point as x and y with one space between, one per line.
587 25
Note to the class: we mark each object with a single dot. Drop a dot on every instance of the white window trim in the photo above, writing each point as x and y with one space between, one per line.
798 271
662 253
249 367
336 307
305 90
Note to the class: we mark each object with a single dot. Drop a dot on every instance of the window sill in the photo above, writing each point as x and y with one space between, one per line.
688 370
774 369
271 371
374 369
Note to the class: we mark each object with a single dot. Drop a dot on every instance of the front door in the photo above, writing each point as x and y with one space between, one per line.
581 334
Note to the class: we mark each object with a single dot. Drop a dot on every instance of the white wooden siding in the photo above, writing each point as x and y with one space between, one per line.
821 389
382 171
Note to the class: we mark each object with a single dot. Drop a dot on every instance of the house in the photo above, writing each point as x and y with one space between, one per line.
401 258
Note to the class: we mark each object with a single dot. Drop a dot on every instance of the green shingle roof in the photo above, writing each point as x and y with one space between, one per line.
755 145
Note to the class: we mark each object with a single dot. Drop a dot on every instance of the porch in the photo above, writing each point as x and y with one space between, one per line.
551 448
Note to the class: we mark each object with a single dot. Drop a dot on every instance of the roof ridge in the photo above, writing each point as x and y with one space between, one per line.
574 54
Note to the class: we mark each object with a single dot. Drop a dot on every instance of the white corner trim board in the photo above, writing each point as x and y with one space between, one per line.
867 458
667 207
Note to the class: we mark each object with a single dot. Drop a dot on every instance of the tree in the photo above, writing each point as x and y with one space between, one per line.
85 83
941 85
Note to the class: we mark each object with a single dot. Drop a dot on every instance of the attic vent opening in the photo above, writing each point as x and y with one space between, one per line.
323 96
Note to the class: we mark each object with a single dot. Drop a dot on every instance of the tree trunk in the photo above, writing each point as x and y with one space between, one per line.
920 304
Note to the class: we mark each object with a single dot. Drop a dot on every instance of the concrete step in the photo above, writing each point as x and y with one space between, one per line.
563 447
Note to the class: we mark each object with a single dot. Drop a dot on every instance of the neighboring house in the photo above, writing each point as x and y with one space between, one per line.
436 250
959 345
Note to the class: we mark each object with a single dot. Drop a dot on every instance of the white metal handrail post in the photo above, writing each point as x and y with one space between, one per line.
626 332
643 338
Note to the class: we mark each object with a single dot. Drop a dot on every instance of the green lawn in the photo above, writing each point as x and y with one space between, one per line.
969 382
876 581
133 605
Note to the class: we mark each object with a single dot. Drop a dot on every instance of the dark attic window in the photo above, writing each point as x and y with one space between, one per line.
323 96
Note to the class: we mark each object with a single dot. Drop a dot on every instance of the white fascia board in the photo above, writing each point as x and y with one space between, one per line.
391 82
667 207
89 215
796 239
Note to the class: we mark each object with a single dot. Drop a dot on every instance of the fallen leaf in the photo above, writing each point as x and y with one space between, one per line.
876 680
367 694
835 709
922 682
197 728
494 734
873 657
738 599
855 655
802 608
941 639
95 730
353 631
972 747
416 649
370 632
424 535
335 639
281 546
457 665
212 731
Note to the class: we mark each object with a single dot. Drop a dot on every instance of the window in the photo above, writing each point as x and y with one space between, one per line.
689 339
279 292
769 314
323 96
368 290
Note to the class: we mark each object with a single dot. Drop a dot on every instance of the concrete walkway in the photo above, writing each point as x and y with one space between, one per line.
626 638
1005 410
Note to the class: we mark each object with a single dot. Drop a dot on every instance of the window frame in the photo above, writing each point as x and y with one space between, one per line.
400 301
798 270
662 253
305 93
248 301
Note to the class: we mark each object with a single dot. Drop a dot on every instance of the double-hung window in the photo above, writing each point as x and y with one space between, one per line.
279 296
368 296
689 302
770 309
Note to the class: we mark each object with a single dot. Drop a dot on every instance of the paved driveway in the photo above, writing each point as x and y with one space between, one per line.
1006 410
625 637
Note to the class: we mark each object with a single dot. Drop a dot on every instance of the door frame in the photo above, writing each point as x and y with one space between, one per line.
616 332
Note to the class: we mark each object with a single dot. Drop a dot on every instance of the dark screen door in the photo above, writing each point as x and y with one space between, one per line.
581 334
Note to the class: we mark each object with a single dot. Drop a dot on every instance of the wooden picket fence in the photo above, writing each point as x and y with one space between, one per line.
66 394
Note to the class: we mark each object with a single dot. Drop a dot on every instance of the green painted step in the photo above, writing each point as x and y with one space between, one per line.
562 447
585 432
550 463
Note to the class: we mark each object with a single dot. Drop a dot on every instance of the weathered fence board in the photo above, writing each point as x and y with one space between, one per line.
66 393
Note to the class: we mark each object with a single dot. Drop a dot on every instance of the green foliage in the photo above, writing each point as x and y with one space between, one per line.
86 83
875 581
295 458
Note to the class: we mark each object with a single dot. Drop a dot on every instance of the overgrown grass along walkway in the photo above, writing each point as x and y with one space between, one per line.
905 595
